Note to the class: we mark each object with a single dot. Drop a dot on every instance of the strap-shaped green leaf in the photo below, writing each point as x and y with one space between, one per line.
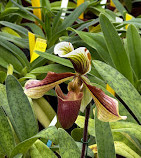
21 42
67 145
127 139
124 150
2 76
6 135
26 11
9 58
116 48
127 127
51 67
73 16
134 21
15 51
18 28
122 87
125 132
104 139
120 7
56 59
4 103
40 150
97 42
134 48
35 29
49 133
26 125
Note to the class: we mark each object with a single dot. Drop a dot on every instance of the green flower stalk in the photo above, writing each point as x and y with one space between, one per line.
70 104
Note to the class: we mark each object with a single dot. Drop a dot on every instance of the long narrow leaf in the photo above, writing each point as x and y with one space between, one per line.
72 17
49 133
67 145
56 21
28 12
6 135
134 48
104 139
23 43
56 59
116 48
97 42
122 87
40 150
18 28
16 51
26 125
35 29
51 67
9 58
120 7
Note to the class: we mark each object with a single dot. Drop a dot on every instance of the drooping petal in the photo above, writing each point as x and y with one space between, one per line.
107 107
68 107
36 88
63 48
86 98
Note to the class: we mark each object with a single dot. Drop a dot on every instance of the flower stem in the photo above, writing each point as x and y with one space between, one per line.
85 137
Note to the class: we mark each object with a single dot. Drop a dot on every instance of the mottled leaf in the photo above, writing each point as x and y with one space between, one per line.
40 150
4 103
49 133
6 135
26 125
127 139
121 149
104 139
67 145
121 86
124 150
127 127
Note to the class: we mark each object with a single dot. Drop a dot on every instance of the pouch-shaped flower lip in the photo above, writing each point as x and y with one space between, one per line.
36 89
68 107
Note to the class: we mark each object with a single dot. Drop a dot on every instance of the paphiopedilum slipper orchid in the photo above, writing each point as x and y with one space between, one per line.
69 105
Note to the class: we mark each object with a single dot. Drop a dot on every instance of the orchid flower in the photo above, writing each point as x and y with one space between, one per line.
69 105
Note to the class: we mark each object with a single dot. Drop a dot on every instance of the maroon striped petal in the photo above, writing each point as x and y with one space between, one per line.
36 88
107 107
68 107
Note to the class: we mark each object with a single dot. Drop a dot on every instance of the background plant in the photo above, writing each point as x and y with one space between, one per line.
106 43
